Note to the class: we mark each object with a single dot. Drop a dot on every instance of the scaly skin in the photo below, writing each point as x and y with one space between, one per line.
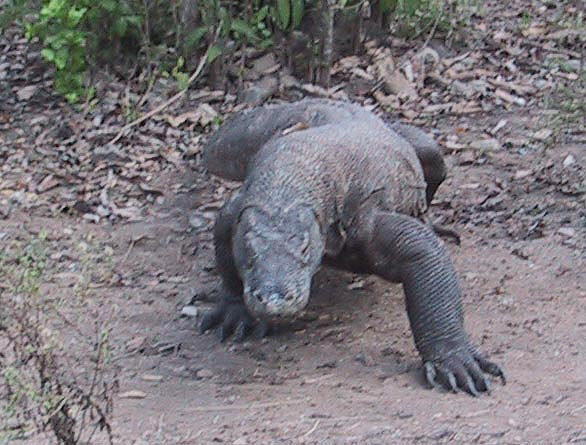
350 193
229 151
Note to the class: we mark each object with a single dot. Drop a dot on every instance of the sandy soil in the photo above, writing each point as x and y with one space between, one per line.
352 375
349 373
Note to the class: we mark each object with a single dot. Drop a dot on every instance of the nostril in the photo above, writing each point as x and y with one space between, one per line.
272 296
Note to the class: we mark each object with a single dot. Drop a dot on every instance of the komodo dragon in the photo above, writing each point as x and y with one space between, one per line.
329 182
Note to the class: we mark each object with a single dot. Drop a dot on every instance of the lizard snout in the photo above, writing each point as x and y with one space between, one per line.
273 302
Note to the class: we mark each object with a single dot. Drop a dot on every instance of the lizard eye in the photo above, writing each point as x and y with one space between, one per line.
305 250
252 247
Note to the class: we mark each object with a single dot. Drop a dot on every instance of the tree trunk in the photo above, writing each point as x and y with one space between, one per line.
188 20
327 42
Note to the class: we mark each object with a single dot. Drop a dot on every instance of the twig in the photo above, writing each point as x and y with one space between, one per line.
127 254
131 245
173 99
313 428
150 86
434 27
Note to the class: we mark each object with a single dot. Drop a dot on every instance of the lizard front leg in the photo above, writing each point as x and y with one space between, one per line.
230 315
402 249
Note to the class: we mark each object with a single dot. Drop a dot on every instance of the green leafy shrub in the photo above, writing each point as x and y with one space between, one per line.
80 35
58 27
252 23
413 17
73 32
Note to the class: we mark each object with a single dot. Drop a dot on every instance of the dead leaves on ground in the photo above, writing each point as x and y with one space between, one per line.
56 158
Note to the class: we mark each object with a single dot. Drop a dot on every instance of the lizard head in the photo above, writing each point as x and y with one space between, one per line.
276 256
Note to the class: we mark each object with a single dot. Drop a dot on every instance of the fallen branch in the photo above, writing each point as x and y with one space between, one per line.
177 96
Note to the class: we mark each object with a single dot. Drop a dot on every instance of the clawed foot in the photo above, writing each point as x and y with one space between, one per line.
465 370
231 317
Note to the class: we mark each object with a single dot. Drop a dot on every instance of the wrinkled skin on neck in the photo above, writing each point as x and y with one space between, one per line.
276 256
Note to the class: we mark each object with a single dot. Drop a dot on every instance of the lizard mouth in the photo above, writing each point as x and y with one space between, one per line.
274 305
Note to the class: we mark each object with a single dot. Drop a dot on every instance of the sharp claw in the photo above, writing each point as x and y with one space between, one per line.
448 377
491 368
241 331
452 381
262 329
470 388
224 332
464 370
487 385
208 321
481 382
464 379
496 371
204 324
233 319
431 374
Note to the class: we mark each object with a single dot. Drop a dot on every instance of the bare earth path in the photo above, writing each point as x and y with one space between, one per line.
348 373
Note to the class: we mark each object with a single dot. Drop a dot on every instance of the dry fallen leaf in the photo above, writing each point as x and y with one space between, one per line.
567 231
151 377
49 182
484 145
542 135
136 343
132 394
498 126
27 92
507 97
520 174
534 31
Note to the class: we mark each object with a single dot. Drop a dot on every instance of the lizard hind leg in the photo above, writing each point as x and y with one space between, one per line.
433 165
429 154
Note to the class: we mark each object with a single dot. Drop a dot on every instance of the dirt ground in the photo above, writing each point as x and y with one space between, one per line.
348 372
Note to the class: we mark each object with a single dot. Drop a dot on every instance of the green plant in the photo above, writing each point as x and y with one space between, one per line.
64 44
569 108
79 35
288 13
414 17
180 76
73 32
11 10
252 23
